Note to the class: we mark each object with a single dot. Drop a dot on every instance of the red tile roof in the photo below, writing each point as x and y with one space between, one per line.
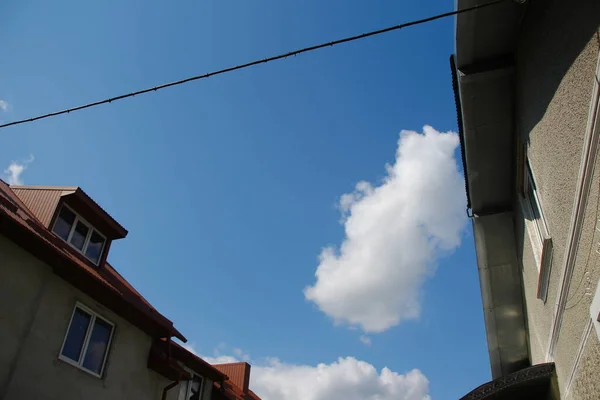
103 283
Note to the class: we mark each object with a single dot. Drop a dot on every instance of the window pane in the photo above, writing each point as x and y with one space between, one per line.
98 345
76 334
536 213
64 222
79 235
195 386
95 247
183 389
534 206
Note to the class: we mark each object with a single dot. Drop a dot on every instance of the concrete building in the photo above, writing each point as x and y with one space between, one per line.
71 327
526 78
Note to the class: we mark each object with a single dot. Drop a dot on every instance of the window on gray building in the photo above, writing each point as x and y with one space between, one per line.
87 340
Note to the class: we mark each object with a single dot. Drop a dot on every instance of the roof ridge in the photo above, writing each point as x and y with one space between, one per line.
233 363
22 204
34 187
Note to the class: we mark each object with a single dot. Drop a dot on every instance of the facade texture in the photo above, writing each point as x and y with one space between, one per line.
557 65
535 203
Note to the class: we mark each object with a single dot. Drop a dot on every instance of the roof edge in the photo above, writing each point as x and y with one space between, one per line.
33 187
461 129
196 363
64 266
120 231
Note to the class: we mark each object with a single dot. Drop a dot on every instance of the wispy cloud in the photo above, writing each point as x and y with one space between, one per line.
190 346
3 105
220 355
12 174
239 353
366 340
394 234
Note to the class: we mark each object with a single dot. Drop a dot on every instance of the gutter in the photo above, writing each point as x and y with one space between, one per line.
461 130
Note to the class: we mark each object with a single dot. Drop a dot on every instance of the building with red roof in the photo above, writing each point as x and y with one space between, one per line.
72 326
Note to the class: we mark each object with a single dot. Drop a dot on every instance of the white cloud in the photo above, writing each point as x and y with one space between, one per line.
347 378
221 359
395 232
3 105
15 169
241 355
366 340
191 347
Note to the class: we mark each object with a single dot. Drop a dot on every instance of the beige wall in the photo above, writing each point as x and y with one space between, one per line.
35 309
556 64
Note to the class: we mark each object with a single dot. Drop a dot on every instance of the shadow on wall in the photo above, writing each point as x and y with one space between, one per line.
554 33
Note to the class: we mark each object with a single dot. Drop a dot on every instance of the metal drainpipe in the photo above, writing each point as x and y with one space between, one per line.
174 383
169 387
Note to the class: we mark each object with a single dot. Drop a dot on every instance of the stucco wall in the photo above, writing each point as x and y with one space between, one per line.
582 288
20 286
556 63
586 385
36 306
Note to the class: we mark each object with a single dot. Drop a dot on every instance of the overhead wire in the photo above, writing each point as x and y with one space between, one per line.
256 62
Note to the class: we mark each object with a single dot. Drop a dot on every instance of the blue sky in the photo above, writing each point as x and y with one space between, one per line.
230 186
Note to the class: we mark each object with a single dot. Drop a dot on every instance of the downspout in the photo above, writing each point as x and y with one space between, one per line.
174 383
221 387
169 387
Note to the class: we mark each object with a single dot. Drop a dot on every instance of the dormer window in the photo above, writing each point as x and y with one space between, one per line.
78 233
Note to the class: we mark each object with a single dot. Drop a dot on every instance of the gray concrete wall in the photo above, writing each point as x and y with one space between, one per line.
21 285
173 394
35 310
556 63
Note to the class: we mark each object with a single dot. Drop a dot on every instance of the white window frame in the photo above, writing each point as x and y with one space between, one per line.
185 389
86 342
537 230
91 230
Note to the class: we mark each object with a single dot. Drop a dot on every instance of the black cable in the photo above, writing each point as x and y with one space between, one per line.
250 64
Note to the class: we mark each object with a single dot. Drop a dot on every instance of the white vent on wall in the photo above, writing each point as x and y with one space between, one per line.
595 311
